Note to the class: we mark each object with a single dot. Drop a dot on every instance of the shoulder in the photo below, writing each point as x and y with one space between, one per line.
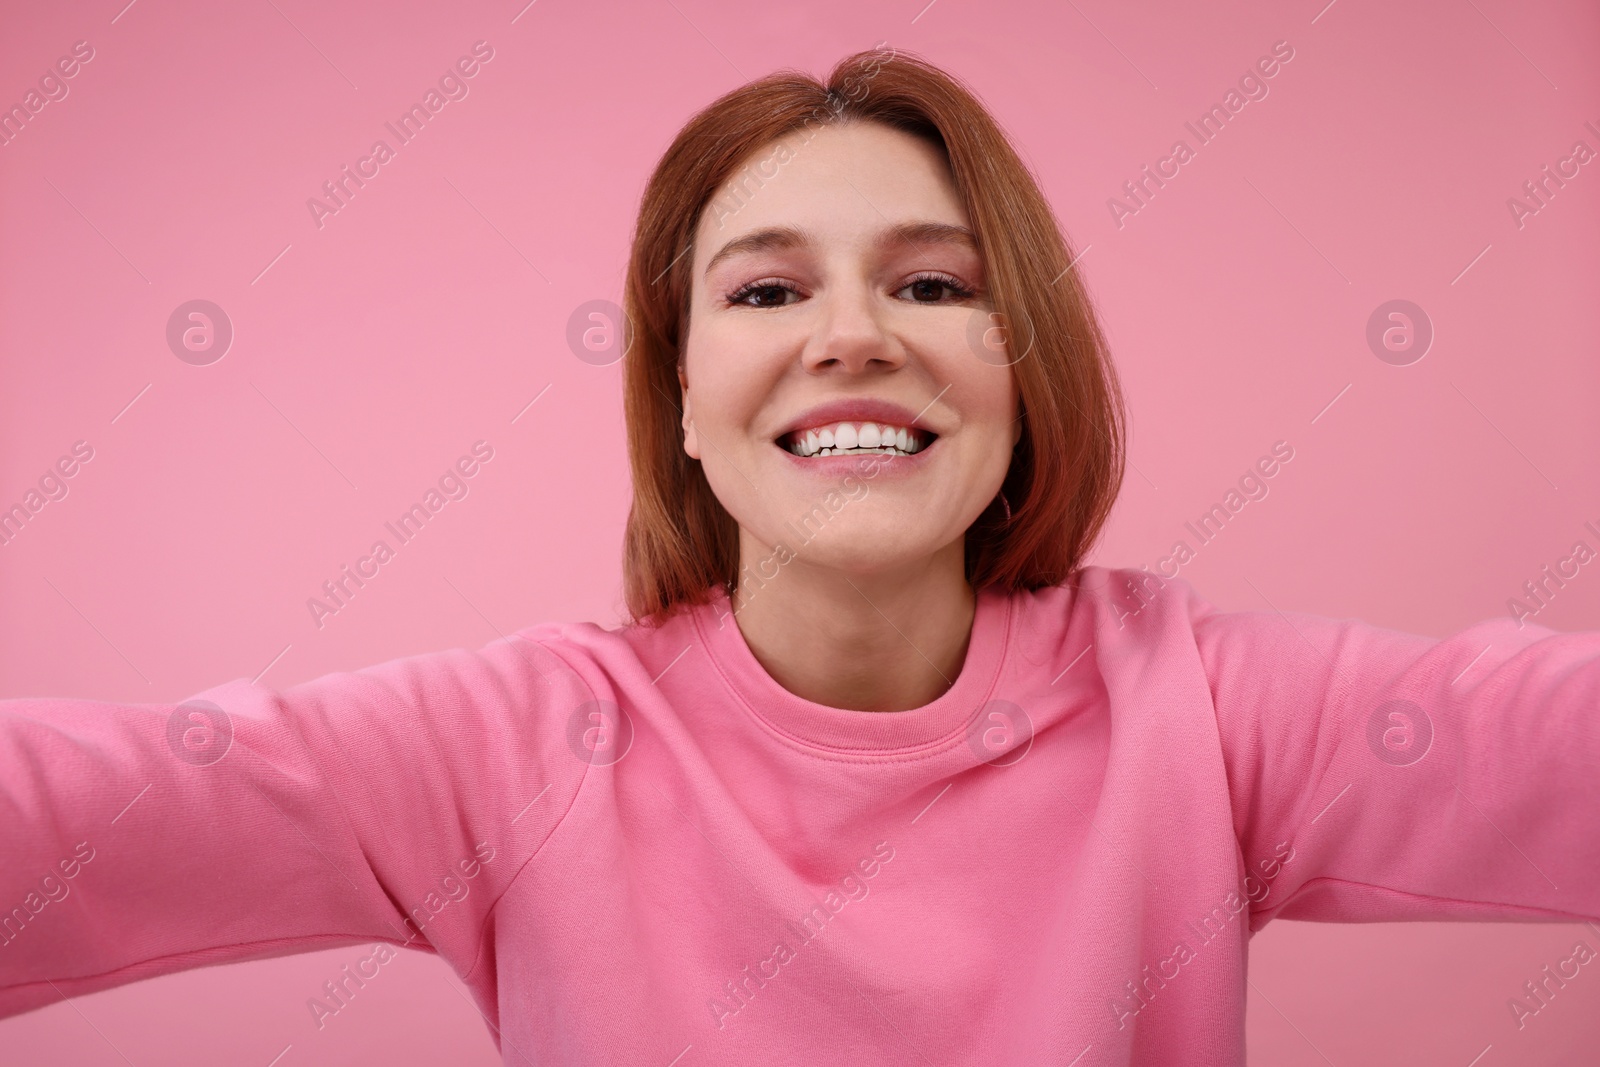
1117 603
1105 628
608 657
1138 609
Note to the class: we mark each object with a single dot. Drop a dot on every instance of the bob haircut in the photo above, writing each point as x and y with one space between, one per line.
1068 464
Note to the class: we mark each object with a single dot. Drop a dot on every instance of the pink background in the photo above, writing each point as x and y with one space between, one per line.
371 352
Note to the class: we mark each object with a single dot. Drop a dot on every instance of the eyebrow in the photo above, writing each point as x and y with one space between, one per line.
776 238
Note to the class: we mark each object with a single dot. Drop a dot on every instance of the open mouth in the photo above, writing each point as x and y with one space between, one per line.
856 439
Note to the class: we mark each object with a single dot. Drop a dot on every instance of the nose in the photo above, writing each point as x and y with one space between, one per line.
851 334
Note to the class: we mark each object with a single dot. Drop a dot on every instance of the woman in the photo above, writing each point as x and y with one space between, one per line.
880 772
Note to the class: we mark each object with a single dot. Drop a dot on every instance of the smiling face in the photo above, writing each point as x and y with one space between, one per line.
833 387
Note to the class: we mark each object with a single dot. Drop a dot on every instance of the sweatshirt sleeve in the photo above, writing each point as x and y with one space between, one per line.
392 804
1381 776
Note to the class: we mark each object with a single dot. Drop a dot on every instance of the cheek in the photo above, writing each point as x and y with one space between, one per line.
991 415
726 400
731 374
988 398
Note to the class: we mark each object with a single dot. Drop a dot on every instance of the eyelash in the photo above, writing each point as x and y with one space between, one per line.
960 291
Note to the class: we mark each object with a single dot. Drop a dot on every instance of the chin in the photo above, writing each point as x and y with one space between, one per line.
857 545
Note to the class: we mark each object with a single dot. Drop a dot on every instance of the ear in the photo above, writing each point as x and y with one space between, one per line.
691 444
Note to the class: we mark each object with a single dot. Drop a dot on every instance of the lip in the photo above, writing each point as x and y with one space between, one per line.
864 409
874 466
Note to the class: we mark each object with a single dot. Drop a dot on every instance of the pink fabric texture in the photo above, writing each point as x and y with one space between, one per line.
631 843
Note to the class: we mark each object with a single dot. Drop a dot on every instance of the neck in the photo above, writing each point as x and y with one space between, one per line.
875 642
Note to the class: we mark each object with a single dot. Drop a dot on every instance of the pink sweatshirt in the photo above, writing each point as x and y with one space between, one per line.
633 845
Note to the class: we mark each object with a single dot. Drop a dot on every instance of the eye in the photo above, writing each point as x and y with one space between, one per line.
932 282
765 292
771 294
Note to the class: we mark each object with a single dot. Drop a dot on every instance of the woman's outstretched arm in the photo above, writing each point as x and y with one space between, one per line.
389 804
1383 776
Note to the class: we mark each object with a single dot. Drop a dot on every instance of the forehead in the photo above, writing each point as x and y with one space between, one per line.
841 186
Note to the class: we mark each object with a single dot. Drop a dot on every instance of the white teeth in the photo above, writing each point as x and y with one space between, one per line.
857 438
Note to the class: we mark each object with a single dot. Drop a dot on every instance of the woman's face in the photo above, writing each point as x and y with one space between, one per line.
839 305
